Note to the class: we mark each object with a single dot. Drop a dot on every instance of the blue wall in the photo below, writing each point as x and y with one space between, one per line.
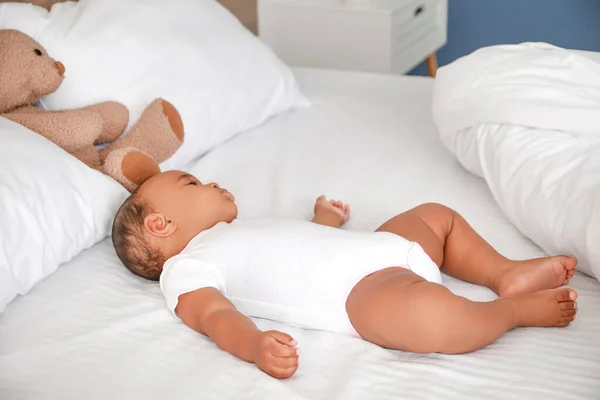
476 23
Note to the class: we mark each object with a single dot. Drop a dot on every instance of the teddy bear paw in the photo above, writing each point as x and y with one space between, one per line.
158 132
130 167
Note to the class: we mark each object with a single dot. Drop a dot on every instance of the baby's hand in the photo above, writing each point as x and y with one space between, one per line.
276 354
333 206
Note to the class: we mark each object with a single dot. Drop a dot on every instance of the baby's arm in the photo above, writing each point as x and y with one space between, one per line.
208 312
332 213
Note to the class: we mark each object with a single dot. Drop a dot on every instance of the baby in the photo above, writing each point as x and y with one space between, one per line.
215 271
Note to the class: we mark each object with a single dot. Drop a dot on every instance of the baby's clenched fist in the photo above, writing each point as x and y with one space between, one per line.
335 207
276 354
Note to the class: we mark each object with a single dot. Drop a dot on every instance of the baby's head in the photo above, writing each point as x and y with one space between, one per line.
159 219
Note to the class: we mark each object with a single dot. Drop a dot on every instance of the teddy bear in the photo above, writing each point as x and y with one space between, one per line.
27 73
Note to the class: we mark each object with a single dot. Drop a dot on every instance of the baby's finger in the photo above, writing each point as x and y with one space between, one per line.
284 362
283 338
281 350
284 373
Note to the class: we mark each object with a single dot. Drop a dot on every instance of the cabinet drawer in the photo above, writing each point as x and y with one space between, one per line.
417 31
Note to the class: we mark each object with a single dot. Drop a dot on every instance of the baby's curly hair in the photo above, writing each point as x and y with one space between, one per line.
130 241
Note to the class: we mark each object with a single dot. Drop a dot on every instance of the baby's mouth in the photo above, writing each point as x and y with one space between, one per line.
227 194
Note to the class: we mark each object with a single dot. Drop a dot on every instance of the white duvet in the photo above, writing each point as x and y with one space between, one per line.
526 118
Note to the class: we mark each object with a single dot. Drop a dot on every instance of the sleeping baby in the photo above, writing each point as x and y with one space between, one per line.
216 271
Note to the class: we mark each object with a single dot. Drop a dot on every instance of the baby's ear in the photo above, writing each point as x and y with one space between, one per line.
158 225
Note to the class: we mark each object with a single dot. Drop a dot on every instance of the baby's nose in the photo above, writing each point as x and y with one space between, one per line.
214 185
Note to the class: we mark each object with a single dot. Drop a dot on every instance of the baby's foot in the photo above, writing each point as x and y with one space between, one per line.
532 275
554 307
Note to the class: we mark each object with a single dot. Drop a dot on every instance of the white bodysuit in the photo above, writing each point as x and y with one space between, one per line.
292 271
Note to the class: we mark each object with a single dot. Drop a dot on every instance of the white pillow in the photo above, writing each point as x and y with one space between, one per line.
25 17
52 207
194 53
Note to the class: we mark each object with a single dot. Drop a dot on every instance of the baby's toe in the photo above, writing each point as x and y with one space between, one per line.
564 322
568 305
565 295
570 263
569 313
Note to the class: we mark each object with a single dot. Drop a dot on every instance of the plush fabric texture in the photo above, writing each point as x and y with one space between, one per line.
220 77
70 130
53 207
115 117
159 120
27 72
131 166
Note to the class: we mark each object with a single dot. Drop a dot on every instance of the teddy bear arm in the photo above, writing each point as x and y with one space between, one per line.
29 110
71 130
115 116
89 156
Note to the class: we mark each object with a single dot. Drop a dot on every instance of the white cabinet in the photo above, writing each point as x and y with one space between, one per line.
384 36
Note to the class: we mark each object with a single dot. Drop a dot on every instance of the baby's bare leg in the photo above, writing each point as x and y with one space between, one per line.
460 252
395 308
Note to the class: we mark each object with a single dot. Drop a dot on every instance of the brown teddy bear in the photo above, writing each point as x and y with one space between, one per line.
27 73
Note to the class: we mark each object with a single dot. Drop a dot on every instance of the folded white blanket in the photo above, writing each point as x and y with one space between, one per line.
526 118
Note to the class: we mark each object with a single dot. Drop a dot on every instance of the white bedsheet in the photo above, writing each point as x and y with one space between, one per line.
94 331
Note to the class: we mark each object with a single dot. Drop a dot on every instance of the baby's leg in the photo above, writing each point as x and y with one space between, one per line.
460 252
395 308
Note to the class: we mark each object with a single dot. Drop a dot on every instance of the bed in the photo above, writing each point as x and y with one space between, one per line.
92 330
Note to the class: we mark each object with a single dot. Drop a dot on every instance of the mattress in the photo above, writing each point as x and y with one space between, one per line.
92 330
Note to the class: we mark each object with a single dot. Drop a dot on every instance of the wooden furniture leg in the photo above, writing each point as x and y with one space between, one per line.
432 64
